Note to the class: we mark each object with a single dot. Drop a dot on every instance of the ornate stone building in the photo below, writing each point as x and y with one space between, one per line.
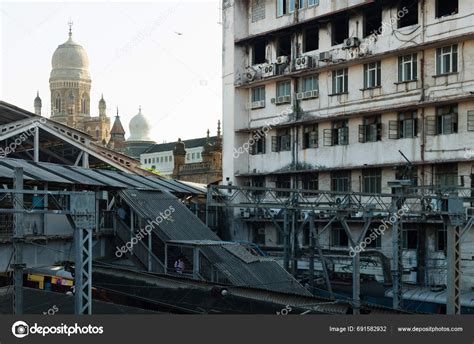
70 86
196 160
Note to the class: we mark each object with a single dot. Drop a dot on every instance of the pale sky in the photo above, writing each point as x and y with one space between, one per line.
163 55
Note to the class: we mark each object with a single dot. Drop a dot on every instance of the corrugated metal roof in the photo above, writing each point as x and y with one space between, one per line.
184 226
439 297
191 143
65 174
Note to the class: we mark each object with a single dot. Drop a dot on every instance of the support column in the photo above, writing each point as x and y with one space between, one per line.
196 263
85 160
453 306
286 244
36 145
311 251
397 263
83 263
18 234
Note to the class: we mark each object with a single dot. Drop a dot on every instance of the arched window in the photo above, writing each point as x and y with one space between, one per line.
57 103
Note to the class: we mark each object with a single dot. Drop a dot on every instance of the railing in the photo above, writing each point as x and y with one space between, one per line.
140 249
205 165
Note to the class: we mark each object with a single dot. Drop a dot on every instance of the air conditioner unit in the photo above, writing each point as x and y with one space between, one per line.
325 56
258 104
249 75
268 70
303 62
283 99
311 94
282 59
299 95
352 42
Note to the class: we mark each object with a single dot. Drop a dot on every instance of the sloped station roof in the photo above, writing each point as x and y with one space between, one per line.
233 261
74 175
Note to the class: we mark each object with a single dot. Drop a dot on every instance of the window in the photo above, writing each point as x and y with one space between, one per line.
258 182
258 50
281 7
284 46
372 181
283 182
339 81
309 84
410 239
313 3
57 103
447 120
83 104
310 182
447 60
281 142
372 75
446 175
311 39
371 129
405 127
258 146
338 134
258 233
310 136
340 181
375 239
407 68
258 97
410 10
283 92
338 236
372 20
446 8
441 240
340 30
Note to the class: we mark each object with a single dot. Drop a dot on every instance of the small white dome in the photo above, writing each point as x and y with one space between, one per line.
139 128
70 61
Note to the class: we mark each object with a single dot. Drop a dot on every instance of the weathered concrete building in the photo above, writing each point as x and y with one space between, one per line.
324 95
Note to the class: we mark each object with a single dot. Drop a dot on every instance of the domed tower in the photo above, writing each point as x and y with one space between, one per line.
139 139
70 83
38 104
139 128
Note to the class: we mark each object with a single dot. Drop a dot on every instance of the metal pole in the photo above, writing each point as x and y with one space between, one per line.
286 253
397 267
356 283
85 160
17 243
294 260
311 251
453 305
36 145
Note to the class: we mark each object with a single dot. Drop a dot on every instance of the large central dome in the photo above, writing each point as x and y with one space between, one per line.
70 61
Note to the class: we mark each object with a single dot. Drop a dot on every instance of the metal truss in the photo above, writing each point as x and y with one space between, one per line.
427 202
79 207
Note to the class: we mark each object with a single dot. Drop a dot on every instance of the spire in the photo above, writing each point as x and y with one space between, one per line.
117 129
37 104
219 128
102 106
139 109
70 23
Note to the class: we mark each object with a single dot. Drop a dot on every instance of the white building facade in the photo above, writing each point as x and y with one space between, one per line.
337 103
